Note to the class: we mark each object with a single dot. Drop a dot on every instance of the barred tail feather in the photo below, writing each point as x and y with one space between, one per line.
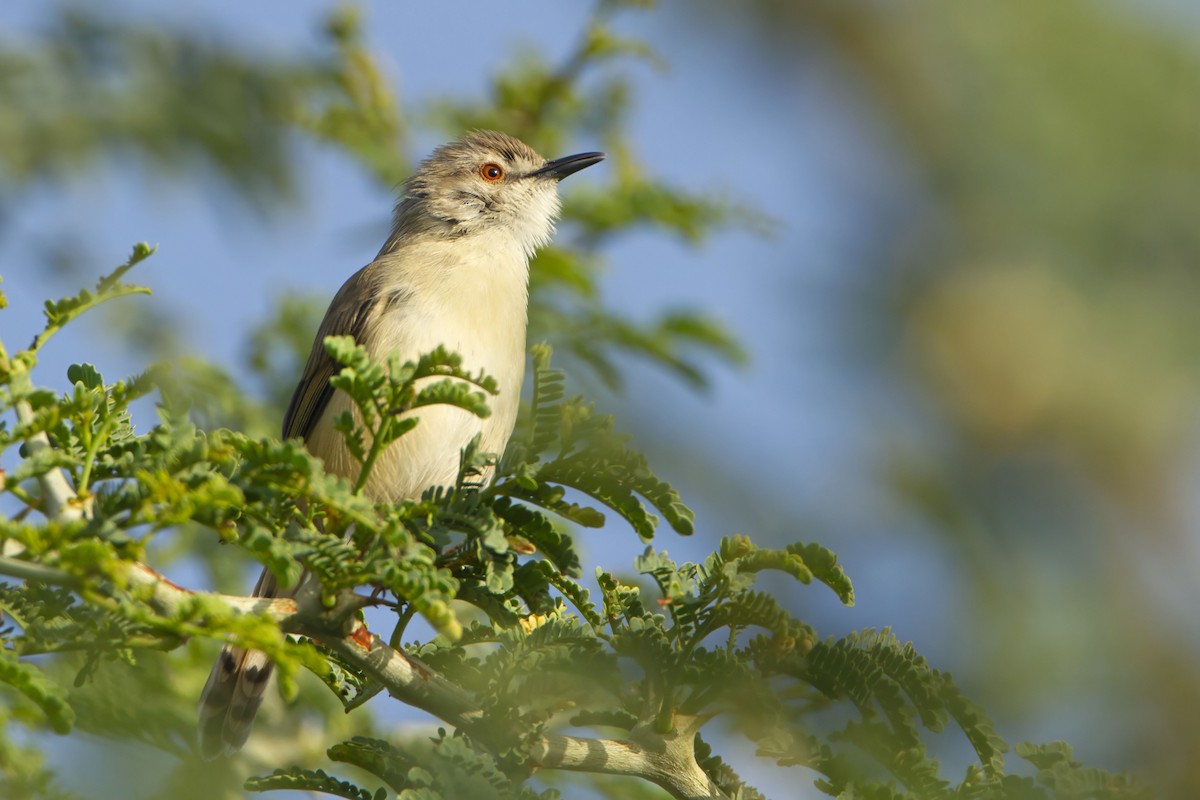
231 698
234 691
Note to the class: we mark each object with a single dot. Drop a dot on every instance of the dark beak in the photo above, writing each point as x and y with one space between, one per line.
560 168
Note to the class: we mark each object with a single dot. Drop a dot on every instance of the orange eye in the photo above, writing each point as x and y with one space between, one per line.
491 172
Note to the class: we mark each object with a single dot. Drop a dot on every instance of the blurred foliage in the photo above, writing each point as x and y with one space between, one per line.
89 88
1039 305
1069 188
1053 306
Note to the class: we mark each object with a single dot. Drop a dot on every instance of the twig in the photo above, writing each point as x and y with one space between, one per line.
59 500
37 573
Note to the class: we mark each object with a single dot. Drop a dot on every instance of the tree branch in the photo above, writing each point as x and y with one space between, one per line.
667 760
166 597
59 500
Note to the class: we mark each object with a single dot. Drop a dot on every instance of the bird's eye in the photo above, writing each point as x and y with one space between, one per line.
491 172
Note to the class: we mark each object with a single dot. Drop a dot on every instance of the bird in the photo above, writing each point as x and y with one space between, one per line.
453 272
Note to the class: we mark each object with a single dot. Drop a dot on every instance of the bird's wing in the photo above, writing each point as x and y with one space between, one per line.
239 678
352 308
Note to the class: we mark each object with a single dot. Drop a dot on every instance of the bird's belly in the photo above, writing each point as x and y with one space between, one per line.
429 454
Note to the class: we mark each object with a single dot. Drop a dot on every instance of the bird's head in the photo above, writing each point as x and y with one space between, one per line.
489 182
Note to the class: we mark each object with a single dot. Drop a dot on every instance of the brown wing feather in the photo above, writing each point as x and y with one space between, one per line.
238 680
353 306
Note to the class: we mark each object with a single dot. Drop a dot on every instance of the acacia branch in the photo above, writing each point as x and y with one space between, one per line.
59 500
166 597
668 760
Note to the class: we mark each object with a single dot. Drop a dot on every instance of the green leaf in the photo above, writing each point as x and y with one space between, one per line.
540 532
310 780
455 393
376 757
823 564
60 312
1046 756
575 594
86 374
46 695
548 394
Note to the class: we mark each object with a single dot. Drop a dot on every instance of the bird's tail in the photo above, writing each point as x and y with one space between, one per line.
234 691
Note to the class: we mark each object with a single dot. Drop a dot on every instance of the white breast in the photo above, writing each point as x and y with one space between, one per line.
470 298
